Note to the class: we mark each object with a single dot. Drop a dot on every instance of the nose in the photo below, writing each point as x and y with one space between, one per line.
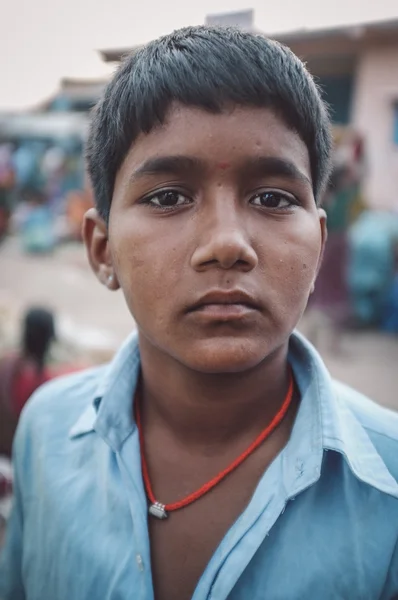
224 244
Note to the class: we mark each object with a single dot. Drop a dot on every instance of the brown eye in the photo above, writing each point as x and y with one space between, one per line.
272 200
168 199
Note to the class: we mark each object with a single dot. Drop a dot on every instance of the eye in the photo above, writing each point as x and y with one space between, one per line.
167 199
271 199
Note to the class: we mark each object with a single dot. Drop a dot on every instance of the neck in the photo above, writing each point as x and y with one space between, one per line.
201 408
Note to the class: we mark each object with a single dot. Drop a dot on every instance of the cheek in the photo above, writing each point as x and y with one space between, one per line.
303 260
146 267
295 259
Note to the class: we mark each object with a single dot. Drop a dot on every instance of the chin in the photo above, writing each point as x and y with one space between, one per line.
226 355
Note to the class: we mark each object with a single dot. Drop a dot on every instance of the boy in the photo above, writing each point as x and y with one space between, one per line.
171 473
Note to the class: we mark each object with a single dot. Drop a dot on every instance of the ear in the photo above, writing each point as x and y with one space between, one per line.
95 236
324 237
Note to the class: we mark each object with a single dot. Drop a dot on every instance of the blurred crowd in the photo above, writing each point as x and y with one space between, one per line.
43 195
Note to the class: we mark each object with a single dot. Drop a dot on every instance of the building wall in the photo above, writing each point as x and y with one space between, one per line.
374 104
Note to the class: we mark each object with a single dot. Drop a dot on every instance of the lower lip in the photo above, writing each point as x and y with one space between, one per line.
224 312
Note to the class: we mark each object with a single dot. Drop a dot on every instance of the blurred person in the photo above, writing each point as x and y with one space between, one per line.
74 166
329 306
390 318
53 167
171 472
372 263
21 373
27 159
36 223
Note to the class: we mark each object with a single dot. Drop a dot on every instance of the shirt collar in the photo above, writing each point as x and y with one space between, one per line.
324 420
334 424
110 414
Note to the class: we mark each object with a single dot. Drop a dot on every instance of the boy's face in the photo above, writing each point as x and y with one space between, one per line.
214 236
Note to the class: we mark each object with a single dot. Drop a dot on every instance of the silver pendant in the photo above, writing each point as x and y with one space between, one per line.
158 510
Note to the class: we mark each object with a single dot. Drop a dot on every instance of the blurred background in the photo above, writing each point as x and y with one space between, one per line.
55 59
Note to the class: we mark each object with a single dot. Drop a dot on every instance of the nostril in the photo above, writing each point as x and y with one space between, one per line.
224 251
210 263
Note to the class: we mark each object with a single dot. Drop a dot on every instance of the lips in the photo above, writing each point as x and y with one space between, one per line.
223 301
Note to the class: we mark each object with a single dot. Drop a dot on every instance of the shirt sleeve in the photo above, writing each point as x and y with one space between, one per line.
11 582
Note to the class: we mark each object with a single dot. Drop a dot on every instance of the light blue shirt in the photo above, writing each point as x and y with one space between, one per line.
322 523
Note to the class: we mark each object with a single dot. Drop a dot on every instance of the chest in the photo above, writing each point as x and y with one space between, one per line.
183 545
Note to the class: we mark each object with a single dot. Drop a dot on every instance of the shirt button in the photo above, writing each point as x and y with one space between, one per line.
140 562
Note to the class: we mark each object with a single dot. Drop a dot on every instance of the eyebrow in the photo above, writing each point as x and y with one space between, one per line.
167 165
258 165
277 167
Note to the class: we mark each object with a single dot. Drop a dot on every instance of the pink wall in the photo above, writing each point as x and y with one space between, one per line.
376 90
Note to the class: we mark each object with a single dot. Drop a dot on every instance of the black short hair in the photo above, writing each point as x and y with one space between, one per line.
210 68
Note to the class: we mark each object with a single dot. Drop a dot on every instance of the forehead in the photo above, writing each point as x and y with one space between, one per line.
226 138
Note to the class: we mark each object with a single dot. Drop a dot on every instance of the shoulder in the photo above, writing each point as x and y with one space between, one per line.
55 407
376 419
68 393
380 423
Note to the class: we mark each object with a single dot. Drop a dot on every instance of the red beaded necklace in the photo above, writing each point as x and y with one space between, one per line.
159 510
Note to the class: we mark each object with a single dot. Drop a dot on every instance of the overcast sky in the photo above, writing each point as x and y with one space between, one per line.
44 40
